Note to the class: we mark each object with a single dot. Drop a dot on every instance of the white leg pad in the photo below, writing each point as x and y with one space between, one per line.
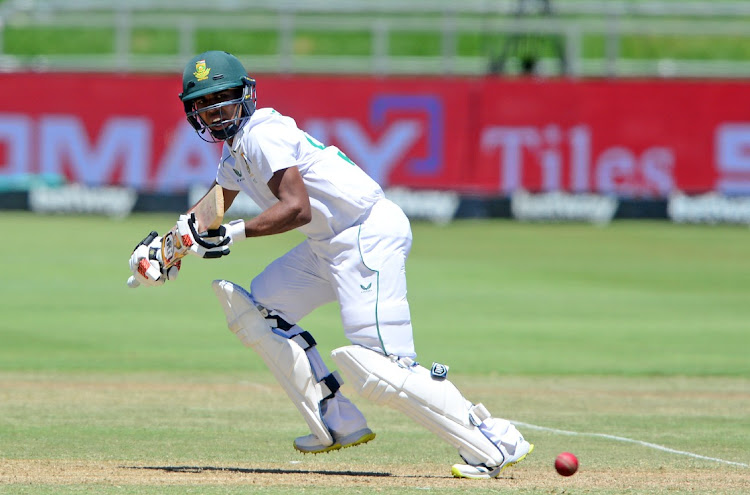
284 357
435 404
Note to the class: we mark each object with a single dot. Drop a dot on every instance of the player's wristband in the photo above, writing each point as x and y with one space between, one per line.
236 229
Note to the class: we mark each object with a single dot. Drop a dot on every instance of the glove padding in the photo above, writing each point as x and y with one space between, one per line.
145 263
214 243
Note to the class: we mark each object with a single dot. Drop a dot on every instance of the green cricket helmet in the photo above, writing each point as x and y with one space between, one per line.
213 72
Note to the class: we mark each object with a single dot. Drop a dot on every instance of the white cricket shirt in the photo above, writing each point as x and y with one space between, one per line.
340 192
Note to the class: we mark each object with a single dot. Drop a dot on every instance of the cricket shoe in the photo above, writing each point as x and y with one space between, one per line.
483 472
310 444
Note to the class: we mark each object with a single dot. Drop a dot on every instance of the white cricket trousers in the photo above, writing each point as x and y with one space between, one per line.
363 268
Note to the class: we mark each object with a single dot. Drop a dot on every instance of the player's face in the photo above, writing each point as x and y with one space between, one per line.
219 110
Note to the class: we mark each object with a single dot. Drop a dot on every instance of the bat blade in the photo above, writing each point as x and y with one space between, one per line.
209 212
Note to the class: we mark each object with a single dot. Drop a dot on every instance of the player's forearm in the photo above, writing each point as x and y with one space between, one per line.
278 219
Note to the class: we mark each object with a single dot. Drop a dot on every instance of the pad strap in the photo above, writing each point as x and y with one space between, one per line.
304 339
330 384
275 321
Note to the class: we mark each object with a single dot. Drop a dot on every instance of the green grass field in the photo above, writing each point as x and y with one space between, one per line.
639 331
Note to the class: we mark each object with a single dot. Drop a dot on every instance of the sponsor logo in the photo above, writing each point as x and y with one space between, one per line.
559 206
201 71
437 206
711 208
366 288
116 202
568 159
732 151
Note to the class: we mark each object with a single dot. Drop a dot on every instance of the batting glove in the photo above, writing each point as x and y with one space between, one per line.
228 233
145 263
213 243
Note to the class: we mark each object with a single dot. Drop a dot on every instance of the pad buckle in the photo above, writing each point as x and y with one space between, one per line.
439 371
406 363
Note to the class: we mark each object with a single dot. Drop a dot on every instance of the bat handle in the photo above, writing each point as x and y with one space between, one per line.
132 282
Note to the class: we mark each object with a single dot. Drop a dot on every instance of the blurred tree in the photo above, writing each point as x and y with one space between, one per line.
528 48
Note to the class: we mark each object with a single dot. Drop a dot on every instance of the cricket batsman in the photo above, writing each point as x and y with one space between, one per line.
355 251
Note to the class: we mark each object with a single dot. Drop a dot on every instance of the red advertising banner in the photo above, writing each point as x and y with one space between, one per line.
489 136
410 132
630 138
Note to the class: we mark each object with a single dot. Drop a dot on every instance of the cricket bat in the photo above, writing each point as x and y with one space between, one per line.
209 214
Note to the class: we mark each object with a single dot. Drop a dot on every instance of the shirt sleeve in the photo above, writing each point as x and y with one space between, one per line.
275 147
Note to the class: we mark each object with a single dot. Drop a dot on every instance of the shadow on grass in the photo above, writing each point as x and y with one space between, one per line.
200 469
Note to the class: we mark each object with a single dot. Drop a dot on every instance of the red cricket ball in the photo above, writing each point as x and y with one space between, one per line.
566 464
